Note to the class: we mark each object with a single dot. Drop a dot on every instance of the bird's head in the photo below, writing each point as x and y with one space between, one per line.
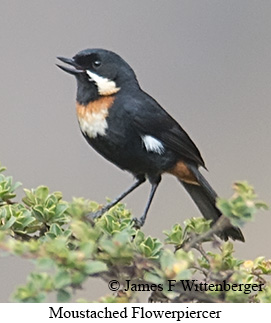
99 72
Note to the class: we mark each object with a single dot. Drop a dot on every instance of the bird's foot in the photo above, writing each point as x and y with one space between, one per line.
138 223
91 216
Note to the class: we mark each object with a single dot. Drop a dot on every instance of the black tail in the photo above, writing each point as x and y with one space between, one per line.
205 198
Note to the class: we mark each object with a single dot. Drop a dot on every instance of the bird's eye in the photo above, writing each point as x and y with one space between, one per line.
97 63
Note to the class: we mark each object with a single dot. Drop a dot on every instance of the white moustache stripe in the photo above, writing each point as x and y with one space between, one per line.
105 86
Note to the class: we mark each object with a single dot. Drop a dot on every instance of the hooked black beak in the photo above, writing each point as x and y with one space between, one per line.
75 70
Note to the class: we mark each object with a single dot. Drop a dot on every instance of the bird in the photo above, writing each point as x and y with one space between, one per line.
132 130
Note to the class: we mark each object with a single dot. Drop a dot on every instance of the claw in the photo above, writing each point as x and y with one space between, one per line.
91 216
137 223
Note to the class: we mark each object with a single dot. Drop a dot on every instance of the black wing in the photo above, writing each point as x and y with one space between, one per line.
149 118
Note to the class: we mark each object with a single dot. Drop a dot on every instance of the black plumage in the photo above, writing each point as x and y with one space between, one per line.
129 128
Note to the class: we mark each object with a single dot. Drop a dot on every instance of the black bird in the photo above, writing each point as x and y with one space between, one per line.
129 128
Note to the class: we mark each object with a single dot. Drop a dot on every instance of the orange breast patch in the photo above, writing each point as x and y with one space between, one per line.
92 116
104 103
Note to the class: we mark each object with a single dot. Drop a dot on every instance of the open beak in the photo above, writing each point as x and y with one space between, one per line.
74 70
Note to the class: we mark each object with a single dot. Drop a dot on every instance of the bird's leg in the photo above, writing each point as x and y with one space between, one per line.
138 223
107 207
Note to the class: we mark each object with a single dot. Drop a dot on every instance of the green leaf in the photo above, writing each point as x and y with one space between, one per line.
88 248
153 278
25 221
197 225
84 232
2 168
94 267
29 199
242 206
8 223
261 205
55 229
150 247
62 279
175 236
42 193
60 209
227 249
167 259
264 296
46 264
39 213
67 249
63 296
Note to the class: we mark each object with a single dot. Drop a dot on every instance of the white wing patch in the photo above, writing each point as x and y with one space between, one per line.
153 144
105 86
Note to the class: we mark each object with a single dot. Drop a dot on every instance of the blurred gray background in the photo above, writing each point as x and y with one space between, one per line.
207 62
